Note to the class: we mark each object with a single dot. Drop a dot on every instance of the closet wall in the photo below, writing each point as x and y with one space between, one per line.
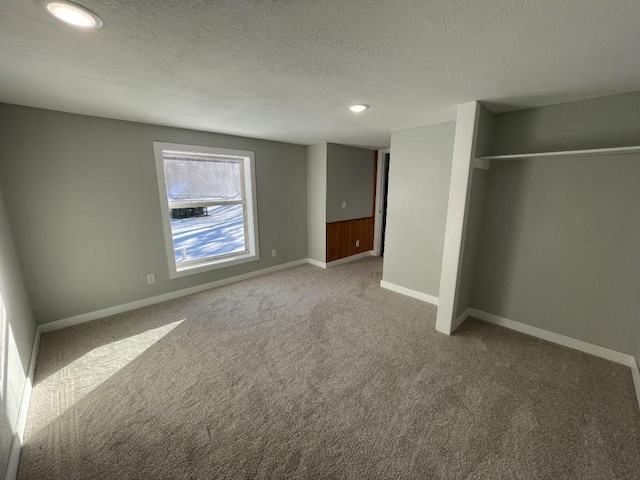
559 237
599 123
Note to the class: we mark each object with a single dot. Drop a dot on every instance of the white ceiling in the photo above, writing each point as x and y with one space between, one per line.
287 69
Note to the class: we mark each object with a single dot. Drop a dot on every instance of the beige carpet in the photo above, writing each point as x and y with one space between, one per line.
308 373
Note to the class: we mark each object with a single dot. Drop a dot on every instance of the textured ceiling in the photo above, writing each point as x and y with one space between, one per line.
288 69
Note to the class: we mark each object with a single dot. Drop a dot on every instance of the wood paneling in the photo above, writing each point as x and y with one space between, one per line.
342 237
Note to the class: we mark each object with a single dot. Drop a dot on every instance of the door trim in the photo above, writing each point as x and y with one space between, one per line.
380 193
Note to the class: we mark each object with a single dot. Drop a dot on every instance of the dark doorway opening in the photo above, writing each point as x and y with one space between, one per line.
385 189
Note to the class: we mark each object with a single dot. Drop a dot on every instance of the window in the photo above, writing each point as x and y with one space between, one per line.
208 202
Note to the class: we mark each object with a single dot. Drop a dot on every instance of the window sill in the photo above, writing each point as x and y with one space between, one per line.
206 266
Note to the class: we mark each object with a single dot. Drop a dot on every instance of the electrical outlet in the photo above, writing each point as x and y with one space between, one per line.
344 204
151 278
357 243
274 253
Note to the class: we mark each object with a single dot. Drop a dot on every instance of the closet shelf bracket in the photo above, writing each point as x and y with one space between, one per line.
481 163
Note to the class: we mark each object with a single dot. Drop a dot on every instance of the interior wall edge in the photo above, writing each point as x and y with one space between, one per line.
464 149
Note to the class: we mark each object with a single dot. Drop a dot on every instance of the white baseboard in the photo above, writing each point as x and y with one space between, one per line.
350 259
409 293
635 373
87 317
458 321
341 261
590 348
586 347
145 302
316 263
23 410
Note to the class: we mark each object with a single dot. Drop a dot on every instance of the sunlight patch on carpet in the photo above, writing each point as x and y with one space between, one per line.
76 380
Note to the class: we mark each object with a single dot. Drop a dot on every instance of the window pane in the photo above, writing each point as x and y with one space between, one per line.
201 179
207 232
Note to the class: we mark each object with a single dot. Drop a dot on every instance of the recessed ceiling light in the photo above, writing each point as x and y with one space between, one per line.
358 108
74 14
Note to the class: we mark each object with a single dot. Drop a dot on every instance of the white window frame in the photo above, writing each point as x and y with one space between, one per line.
252 252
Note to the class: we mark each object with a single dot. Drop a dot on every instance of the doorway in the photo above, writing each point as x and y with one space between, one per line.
385 186
382 183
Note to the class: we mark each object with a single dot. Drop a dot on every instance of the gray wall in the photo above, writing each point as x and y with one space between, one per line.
419 175
83 201
317 202
598 123
349 178
19 333
559 247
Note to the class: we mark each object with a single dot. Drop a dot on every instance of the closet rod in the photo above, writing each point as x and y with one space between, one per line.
566 153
